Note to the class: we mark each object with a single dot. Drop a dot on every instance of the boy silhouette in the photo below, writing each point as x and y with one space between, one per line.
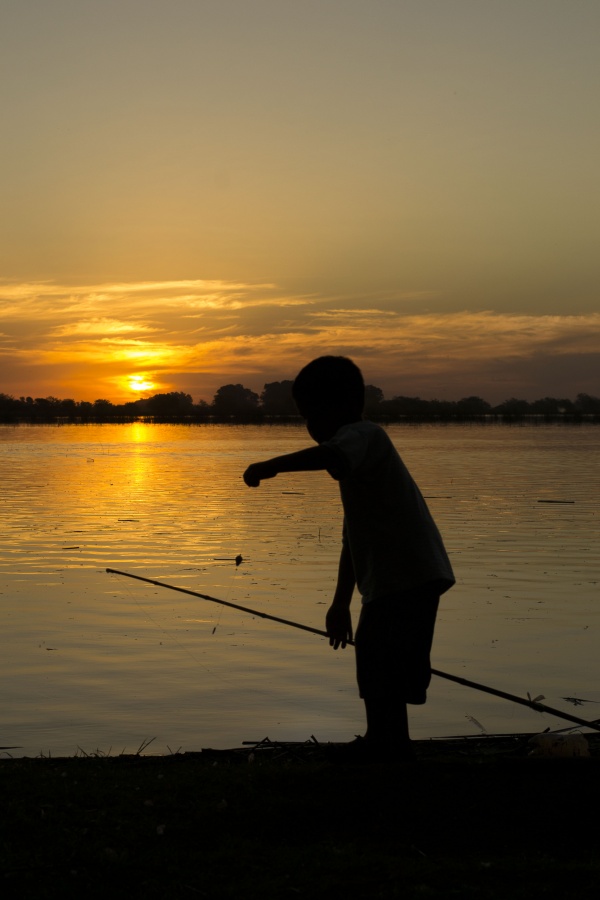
391 550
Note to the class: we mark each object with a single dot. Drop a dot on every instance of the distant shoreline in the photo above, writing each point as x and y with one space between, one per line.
434 419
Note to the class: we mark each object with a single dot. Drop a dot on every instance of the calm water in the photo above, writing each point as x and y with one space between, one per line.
104 663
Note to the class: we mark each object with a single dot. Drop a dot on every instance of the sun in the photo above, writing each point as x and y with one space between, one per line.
139 383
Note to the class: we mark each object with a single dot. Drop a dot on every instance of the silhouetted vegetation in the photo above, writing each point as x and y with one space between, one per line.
234 400
276 399
236 403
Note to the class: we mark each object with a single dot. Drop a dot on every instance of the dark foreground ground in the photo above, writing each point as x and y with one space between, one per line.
472 818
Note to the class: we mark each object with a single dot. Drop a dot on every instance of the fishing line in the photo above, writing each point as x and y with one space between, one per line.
161 628
170 635
203 569
238 561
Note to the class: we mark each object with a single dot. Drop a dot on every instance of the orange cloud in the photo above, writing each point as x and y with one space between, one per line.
89 339
100 326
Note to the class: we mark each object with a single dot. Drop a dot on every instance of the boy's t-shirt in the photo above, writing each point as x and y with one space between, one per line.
394 542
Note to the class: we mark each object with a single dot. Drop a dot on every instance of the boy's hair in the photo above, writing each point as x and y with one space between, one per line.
330 381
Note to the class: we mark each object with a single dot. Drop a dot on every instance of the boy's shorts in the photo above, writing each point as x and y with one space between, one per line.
392 643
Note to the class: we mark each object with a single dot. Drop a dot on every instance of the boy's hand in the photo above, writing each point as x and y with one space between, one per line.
338 624
258 472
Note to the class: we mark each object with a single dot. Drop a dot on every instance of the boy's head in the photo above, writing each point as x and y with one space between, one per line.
329 392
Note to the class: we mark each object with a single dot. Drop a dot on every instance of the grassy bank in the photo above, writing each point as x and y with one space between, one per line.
468 820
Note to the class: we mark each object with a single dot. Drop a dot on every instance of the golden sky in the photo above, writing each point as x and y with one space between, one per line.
198 192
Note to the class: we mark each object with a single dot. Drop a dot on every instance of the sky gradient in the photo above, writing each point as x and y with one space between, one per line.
202 192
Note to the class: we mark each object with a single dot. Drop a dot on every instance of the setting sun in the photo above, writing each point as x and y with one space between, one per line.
140 383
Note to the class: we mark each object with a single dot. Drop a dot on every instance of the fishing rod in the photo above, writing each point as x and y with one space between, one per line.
532 704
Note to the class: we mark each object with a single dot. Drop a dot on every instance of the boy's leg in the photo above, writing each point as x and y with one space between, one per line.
386 739
393 641
387 723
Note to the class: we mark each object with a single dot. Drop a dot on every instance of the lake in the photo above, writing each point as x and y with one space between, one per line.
103 663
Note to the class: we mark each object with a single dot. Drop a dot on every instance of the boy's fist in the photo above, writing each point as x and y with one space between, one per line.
257 472
251 477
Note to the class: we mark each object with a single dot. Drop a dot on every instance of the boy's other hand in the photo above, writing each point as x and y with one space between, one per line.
258 472
338 624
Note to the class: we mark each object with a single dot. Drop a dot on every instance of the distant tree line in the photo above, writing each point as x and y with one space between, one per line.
234 402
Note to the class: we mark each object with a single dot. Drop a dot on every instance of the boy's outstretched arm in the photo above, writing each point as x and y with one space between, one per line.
338 621
310 460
